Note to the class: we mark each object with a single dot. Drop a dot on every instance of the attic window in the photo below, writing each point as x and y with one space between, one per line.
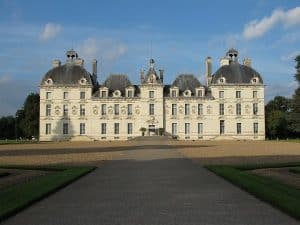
187 93
49 81
222 80
117 93
255 80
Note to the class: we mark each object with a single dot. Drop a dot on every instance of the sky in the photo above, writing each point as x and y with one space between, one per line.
124 35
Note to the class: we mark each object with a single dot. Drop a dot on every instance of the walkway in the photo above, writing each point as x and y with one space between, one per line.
151 186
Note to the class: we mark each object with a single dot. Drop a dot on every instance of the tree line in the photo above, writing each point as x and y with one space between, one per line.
282 116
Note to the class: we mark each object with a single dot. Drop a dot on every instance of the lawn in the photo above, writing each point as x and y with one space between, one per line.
17 197
280 195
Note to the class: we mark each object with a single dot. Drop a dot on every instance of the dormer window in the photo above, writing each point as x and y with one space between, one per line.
174 92
187 93
82 81
49 81
199 92
222 80
130 92
255 80
117 93
103 92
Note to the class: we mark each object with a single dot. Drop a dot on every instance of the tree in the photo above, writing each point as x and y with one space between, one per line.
276 124
7 127
30 122
143 130
19 130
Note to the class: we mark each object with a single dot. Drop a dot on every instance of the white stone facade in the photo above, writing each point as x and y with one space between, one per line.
76 107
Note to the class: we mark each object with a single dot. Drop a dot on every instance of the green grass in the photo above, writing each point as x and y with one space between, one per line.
280 195
3 174
17 197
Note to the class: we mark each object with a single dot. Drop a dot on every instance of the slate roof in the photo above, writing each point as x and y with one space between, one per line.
117 82
236 73
68 73
150 72
186 82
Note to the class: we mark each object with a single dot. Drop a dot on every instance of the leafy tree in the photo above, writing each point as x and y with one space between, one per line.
20 116
279 103
7 127
276 124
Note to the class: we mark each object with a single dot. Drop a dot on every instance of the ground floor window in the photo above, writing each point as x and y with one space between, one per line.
129 128
117 128
48 128
238 128
200 128
222 126
103 128
187 128
255 128
65 128
82 128
174 128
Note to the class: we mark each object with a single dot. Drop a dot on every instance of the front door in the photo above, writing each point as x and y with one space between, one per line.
152 130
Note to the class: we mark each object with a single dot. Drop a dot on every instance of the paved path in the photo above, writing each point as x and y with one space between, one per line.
151 186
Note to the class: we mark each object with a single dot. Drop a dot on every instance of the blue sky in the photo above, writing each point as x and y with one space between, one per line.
120 35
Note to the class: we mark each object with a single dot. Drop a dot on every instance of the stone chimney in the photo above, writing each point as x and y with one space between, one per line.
247 62
95 62
161 75
56 63
142 76
208 70
79 62
224 61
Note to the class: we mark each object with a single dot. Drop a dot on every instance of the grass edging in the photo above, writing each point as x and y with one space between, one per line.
15 198
282 196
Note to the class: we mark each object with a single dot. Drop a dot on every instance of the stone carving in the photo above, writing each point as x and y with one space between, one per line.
209 109
230 109
74 110
95 110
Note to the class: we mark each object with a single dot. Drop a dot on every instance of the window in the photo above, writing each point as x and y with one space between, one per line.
82 95
48 95
151 109
221 109
254 94
103 128
200 109
65 128
200 128
173 93
82 110
238 94
222 127
129 109
103 109
82 128
255 128
48 110
116 107
238 128
174 128
187 128
174 109
130 94
66 95
187 109
103 94
65 108
117 128
221 94
151 94
48 128
200 93
255 108
238 109
129 128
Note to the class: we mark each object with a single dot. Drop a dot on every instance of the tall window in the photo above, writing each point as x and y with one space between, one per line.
187 128
200 128
48 128
151 94
187 109
200 109
254 94
255 108
129 109
103 109
129 128
173 93
238 128
130 94
199 93
238 109
238 94
221 94
174 109
48 95
66 95
151 109
82 95
255 128
174 128
221 109
222 127
82 110
65 128
82 128
65 108
103 128
103 94
116 107
117 128
48 110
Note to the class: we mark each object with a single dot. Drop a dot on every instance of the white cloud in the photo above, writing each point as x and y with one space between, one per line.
280 89
258 28
291 56
50 31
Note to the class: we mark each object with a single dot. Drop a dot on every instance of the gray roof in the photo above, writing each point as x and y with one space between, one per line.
117 82
150 72
69 73
186 82
236 73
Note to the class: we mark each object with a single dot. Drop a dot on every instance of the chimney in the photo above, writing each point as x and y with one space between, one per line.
247 62
161 75
56 63
142 76
79 62
224 61
208 70
94 62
